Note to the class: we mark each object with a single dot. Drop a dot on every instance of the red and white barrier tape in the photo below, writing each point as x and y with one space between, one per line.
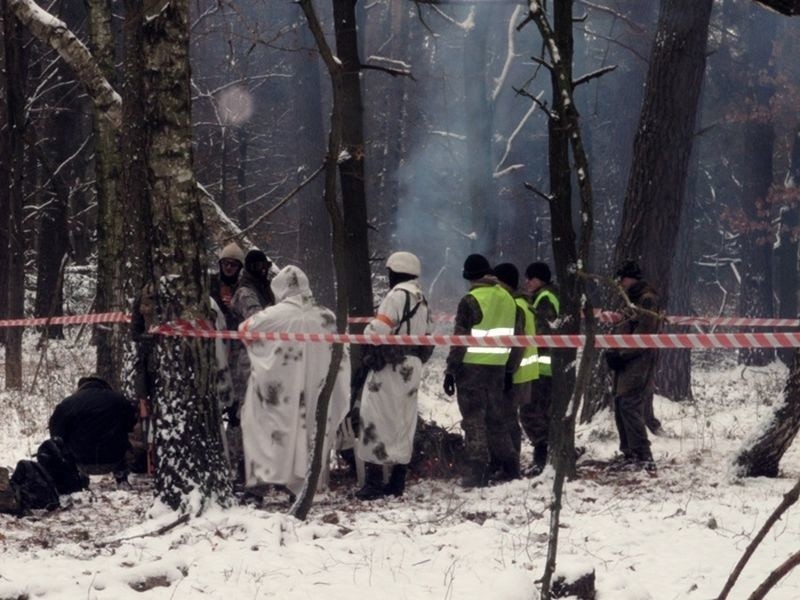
604 316
696 341
110 317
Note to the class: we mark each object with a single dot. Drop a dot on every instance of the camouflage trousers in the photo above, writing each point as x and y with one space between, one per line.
485 415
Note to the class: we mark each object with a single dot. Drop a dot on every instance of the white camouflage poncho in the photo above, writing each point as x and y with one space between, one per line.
389 398
285 382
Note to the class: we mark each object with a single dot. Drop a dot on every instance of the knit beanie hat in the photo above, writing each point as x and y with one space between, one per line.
630 268
540 271
233 252
475 267
508 274
253 260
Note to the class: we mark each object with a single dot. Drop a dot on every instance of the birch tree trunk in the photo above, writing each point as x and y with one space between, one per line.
191 468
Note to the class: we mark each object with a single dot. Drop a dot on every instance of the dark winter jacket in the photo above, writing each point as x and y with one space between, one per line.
252 295
222 292
94 423
637 365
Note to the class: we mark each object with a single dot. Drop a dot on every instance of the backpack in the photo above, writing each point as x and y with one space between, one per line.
58 461
34 487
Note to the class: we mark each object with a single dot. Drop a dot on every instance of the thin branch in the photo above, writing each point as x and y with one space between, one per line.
538 192
774 577
514 134
510 54
593 75
542 62
633 25
184 518
285 199
389 70
789 498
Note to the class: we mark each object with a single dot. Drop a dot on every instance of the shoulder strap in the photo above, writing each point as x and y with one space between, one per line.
407 314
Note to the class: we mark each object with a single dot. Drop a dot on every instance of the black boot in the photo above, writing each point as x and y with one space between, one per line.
477 476
373 486
539 458
397 481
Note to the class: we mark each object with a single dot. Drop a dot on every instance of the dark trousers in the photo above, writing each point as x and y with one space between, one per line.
535 414
629 417
480 398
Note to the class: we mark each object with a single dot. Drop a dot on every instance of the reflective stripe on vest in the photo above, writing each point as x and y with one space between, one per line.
545 367
499 314
529 367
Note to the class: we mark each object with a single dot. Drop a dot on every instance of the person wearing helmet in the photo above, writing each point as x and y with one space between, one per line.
231 261
388 412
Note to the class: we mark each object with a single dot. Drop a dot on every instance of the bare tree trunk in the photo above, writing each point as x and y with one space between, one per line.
351 162
568 389
755 295
15 71
110 216
315 230
302 505
5 175
673 377
762 457
786 253
478 121
191 467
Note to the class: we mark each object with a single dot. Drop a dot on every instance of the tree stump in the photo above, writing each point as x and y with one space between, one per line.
581 588
8 499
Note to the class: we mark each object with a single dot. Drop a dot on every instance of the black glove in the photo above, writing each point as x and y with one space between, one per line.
614 360
232 414
449 384
355 419
508 383
373 358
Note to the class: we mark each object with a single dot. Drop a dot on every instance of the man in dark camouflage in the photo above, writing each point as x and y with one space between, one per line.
482 374
534 414
633 368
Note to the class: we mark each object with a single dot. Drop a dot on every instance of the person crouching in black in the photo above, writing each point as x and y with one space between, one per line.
94 424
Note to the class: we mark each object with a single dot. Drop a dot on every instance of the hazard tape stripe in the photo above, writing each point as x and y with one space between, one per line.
110 317
604 316
695 341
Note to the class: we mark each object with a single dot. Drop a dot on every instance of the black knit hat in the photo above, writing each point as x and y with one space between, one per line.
475 267
93 381
253 258
630 268
508 274
540 271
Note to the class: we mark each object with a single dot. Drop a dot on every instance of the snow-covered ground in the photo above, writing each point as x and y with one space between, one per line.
677 535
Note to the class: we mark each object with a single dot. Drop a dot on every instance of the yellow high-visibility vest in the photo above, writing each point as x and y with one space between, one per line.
499 316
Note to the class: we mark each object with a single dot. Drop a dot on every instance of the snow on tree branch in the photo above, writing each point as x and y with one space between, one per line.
53 32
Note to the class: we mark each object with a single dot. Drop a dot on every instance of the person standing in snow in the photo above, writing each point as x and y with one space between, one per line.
252 294
481 374
223 286
388 412
286 379
534 413
504 417
633 368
